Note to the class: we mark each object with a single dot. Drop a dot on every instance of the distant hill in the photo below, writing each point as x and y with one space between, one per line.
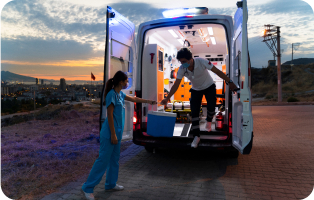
300 61
9 76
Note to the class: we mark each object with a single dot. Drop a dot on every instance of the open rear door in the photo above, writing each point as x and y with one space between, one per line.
242 120
120 55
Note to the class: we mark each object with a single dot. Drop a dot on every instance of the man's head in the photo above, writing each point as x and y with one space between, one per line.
184 55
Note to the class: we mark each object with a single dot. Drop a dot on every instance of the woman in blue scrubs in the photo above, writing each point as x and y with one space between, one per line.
110 136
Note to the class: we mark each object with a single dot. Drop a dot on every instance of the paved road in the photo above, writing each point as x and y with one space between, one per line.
280 166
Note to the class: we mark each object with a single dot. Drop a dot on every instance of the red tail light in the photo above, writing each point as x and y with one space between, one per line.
230 123
134 118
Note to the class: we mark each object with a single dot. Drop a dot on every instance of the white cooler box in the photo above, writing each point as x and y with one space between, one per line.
161 124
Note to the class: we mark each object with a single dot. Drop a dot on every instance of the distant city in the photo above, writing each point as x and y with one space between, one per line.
57 82
45 93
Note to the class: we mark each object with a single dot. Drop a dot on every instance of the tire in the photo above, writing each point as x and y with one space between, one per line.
233 154
149 149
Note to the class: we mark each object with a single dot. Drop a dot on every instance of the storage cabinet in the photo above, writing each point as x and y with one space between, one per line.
183 93
153 74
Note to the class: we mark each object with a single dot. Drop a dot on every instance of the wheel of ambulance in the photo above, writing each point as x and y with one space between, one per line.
149 149
233 154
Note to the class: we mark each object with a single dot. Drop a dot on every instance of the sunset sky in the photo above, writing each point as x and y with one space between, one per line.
66 38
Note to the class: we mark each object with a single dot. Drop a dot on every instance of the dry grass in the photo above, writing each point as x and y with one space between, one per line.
273 101
300 80
40 156
262 88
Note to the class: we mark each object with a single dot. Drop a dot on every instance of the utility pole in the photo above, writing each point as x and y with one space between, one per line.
271 34
296 46
279 64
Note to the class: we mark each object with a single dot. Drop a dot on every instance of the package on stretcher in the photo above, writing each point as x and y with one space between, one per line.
160 124
169 105
186 105
179 105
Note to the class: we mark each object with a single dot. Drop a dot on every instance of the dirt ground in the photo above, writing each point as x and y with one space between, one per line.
39 156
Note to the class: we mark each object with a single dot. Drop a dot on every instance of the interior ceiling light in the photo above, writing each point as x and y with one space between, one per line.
210 30
173 33
213 40
181 42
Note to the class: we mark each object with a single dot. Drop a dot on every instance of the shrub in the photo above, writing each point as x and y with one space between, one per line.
292 99
287 88
269 96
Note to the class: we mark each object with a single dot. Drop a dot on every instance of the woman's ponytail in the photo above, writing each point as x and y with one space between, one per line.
109 86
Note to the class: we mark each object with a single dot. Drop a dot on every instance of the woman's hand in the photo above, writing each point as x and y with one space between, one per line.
151 102
114 139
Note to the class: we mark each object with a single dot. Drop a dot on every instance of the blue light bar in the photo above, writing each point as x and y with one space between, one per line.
180 12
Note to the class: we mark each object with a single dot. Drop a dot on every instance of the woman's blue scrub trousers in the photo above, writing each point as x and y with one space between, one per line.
108 159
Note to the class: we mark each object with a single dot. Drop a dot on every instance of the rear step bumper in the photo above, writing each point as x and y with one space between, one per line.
180 142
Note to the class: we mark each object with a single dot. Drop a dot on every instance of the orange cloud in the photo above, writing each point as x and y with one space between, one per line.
99 77
66 63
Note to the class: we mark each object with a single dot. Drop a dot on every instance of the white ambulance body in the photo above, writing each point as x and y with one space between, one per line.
151 61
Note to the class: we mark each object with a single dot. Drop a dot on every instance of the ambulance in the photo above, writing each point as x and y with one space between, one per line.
151 65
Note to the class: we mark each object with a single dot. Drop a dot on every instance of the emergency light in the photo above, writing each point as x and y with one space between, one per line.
182 12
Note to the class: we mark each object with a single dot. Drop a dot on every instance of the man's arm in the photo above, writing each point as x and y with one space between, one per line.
219 73
173 90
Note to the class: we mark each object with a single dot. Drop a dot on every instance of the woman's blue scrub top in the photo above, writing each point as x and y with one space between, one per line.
118 114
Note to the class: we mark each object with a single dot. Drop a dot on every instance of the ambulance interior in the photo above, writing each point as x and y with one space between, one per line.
206 41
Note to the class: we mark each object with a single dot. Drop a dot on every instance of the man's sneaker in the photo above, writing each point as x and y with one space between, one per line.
117 187
88 196
195 141
208 126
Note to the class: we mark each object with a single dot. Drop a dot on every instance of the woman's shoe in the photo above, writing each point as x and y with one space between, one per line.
88 196
117 187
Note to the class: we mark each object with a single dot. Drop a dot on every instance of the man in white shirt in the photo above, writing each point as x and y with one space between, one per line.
196 70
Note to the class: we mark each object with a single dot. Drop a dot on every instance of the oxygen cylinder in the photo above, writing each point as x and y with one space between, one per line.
173 74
